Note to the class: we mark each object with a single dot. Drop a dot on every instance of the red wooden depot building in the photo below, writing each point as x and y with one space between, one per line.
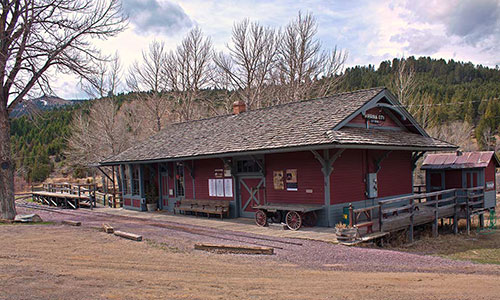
357 147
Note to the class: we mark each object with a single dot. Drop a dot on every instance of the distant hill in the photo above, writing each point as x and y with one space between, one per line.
446 92
43 103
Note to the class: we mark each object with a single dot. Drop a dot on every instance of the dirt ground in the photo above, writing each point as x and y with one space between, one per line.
63 262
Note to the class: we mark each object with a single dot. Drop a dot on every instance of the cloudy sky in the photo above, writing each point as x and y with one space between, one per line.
371 31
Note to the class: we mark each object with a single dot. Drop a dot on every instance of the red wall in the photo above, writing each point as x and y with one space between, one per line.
205 170
453 179
489 173
170 180
395 175
309 177
188 180
348 177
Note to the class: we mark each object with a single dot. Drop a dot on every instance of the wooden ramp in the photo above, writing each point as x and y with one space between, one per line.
406 212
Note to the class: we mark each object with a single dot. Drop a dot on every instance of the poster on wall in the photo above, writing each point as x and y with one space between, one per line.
278 180
219 173
212 189
291 180
220 187
228 187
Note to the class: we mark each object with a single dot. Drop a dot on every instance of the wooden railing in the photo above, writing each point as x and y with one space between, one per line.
419 188
419 209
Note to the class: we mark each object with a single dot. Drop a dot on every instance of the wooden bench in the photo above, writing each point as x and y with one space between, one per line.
208 207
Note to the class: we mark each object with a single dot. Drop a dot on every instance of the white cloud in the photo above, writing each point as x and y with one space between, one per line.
371 31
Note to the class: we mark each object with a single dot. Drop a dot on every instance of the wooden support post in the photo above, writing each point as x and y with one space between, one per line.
114 187
351 216
455 210
412 207
436 219
380 217
481 221
467 212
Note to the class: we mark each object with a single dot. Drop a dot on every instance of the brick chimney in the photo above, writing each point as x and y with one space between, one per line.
239 107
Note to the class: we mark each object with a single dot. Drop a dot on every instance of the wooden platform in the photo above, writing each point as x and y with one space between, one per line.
64 200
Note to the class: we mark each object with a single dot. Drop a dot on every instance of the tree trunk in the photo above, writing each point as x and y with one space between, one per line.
7 204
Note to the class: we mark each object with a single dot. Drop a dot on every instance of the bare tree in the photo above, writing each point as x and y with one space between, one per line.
488 139
404 83
458 133
422 110
304 70
187 70
105 129
146 78
247 68
106 79
37 36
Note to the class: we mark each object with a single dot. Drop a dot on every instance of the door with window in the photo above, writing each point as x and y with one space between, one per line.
179 180
472 179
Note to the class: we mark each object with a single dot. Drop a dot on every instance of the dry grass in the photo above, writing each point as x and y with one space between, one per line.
481 246
57 262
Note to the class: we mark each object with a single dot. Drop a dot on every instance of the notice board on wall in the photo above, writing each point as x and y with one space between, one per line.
291 180
212 189
228 187
220 187
278 180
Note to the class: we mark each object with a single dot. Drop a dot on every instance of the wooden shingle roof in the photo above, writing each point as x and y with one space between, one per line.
292 125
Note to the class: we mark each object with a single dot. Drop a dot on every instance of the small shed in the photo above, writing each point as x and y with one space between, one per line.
463 170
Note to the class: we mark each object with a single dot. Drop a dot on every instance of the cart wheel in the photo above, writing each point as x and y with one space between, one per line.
293 220
277 217
260 218
310 219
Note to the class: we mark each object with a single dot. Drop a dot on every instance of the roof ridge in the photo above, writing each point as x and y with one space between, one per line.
283 104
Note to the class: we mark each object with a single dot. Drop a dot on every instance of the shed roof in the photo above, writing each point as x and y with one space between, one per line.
457 160
316 122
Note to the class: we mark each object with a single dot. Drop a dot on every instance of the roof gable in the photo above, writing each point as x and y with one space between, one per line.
386 100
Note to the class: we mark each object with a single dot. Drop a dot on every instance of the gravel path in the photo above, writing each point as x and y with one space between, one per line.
313 254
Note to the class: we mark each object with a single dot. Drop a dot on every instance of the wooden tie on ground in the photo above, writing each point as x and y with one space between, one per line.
235 249
107 228
130 236
72 223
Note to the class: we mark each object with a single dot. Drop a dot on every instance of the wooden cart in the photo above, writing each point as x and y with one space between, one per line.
294 215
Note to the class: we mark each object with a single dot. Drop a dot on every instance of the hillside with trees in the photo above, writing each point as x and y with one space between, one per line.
261 66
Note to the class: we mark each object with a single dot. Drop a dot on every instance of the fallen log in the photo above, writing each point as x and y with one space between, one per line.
72 223
107 228
130 236
234 249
